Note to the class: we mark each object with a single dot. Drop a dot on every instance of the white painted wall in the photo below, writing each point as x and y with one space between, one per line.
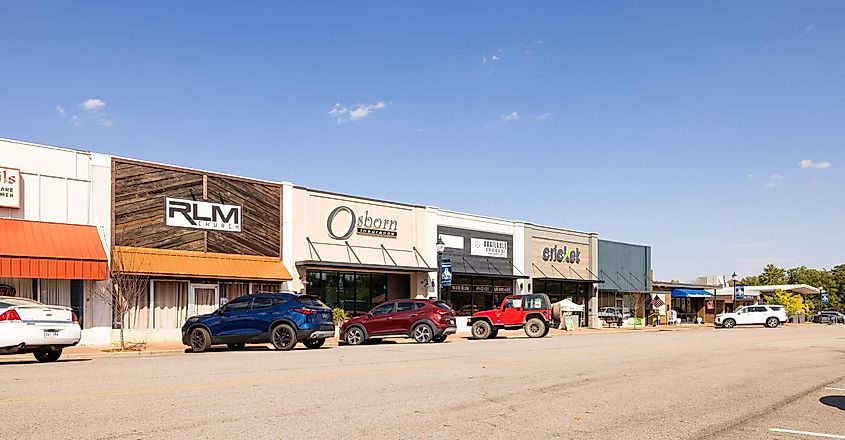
66 186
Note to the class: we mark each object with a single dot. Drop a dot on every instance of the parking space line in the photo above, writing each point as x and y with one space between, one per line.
835 389
813 434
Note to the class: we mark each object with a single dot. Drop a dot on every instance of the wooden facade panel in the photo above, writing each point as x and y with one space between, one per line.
139 196
260 232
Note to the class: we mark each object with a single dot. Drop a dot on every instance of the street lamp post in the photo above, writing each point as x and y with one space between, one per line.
733 303
440 246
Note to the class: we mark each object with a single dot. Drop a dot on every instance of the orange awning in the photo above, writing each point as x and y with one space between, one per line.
31 249
172 263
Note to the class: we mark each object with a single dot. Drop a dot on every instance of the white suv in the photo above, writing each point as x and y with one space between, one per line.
769 316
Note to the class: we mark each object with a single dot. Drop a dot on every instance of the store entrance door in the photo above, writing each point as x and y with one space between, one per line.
203 298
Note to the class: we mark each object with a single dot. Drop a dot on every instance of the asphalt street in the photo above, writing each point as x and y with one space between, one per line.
744 383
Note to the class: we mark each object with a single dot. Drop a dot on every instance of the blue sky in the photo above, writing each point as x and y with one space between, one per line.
681 125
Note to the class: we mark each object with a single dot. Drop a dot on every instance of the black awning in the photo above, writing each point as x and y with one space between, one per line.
574 280
490 275
316 264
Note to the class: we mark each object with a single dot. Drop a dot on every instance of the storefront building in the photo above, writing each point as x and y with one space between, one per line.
195 239
625 271
355 253
563 264
692 302
485 255
54 221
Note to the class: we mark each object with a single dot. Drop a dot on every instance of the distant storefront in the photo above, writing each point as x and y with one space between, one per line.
563 265
482 268
196 238
54 220
355 253
626 271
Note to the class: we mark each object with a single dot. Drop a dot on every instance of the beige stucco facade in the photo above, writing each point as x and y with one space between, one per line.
346 233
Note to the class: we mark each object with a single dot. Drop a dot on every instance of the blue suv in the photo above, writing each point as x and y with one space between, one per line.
282 319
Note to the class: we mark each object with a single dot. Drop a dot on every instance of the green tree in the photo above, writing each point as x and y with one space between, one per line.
751 280
773 275
814 278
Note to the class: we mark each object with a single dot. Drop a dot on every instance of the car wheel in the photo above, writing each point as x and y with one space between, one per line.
772 322
236 347
535 328
438 339
355 335
200 340
314 343
48 356
283 337
546 332
423 333
728 323
481 329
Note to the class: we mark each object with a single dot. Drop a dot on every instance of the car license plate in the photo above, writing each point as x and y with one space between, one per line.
51 333
324 315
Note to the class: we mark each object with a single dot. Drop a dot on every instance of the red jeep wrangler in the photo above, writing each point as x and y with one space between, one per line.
529 312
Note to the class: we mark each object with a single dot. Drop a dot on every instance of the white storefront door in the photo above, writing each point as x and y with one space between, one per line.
203 298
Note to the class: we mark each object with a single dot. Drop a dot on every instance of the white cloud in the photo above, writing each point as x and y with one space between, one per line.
774 179
60 111
750 176
745 246
510 116
93 104
344 114
105 122
492 58
545 115
809 164
809 28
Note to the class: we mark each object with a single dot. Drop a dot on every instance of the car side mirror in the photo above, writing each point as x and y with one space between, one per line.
369 315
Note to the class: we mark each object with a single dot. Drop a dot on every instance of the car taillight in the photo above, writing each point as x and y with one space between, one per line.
305 311
74 318
10 315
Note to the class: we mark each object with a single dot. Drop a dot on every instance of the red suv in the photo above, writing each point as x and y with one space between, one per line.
420 319
531 313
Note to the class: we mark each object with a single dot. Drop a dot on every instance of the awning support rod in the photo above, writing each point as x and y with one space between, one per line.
353 252
425 263
384 251
489 264
593 274
313 248
470 265
517 269
611 280
638 280
627 281
575 272
540 270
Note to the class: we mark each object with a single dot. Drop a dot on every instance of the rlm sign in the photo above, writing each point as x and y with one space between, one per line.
202 215
10 187
341 229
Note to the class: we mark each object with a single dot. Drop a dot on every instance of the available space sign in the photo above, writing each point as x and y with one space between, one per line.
10 187
483 247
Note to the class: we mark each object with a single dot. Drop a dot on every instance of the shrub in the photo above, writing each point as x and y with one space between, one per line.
339 316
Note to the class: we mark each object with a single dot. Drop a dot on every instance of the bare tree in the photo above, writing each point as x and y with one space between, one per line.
637 303
123 293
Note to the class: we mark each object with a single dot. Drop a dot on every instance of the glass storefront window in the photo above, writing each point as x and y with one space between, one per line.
354 292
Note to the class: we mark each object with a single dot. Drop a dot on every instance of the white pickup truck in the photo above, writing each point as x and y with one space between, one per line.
768 315
28 326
